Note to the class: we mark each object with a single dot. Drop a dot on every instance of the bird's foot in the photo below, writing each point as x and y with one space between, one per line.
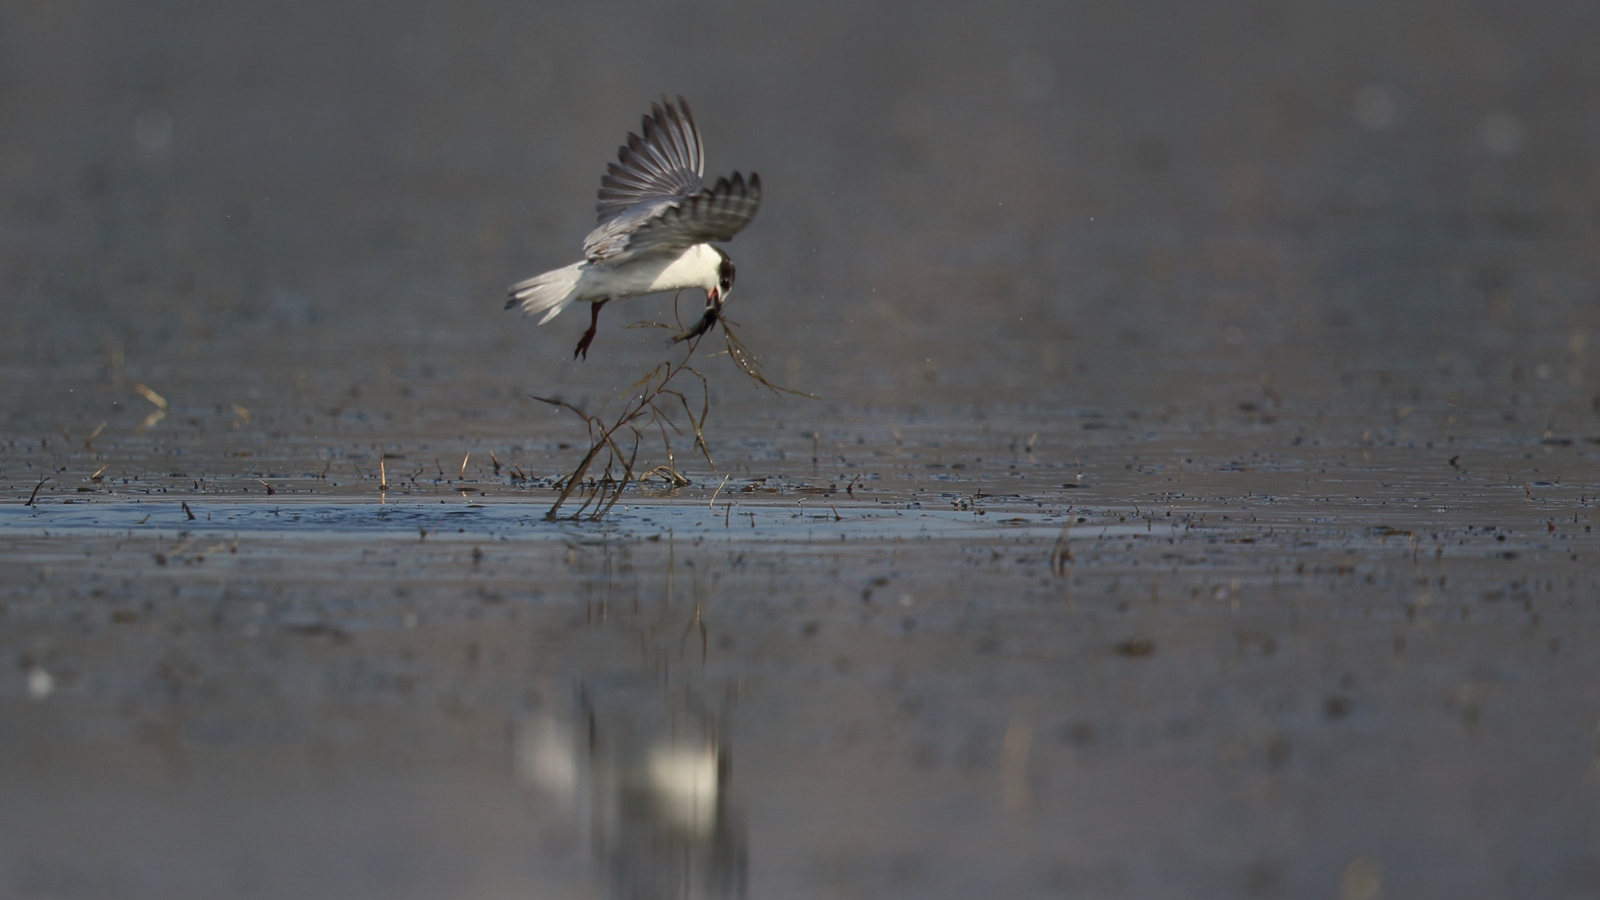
583 344
588 336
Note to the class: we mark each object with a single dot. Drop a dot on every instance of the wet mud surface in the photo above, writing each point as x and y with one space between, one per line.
1198 499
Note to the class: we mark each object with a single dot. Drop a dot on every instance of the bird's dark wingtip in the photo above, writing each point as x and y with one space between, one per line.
511 301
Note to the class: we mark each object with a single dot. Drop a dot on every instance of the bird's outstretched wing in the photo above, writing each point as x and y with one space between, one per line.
664 166
715 214
651 198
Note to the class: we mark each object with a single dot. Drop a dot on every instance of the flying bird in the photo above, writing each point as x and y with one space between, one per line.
657 222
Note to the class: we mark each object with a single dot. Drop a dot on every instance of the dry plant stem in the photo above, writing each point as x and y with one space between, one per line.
654 402
651 404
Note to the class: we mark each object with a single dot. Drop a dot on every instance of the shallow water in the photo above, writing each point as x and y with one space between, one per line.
1198 500
1040 693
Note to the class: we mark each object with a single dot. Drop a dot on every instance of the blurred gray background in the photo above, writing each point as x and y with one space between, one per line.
1047 204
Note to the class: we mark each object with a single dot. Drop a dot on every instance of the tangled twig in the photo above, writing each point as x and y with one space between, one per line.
654 402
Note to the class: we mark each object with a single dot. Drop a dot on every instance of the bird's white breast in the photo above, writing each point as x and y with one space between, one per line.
695 267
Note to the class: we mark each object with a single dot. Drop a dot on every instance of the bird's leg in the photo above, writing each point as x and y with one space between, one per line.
588 336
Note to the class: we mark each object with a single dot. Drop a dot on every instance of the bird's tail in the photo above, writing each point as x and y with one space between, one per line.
549 293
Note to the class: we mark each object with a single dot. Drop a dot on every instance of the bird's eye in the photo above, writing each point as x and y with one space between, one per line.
726 283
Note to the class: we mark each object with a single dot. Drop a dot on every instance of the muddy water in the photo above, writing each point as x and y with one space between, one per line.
1197 501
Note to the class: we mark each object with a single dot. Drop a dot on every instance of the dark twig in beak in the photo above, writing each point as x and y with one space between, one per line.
708 319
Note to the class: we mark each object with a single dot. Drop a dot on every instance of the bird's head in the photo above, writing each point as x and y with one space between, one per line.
719 292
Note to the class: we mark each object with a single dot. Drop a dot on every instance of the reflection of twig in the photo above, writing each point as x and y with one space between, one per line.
1061 553
654 402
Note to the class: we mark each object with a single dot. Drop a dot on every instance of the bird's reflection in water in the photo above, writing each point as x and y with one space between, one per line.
649 790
